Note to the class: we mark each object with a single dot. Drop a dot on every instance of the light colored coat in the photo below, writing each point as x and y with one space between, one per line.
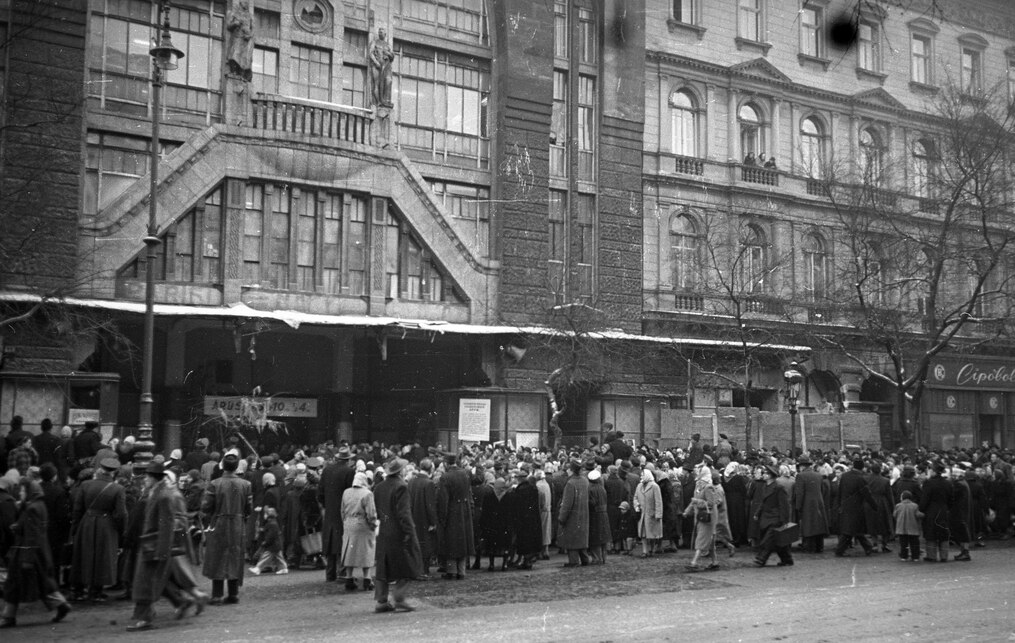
545 508
907 519
359 519
648 499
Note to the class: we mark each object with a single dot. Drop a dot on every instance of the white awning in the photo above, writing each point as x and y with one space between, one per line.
295 319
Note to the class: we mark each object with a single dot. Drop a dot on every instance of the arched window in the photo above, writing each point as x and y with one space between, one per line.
684 252
754 260
815 267
871 158
923 167
812 147
684 123
752 135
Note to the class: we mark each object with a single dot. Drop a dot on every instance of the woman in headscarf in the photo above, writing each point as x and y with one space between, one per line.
359 519
648 500
495 525
599 521
30 561
672 499
704 510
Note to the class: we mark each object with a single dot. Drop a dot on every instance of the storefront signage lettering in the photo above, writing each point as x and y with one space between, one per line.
281 407
972 375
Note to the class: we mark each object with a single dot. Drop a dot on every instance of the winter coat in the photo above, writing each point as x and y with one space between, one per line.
960 513
671 504
616 493
906 484
454 514
755 494
545 511
423 500
648 500
58 508
525 518
736 507
934 501
879 519
335 479
775 507
573 519
30 562
722 523
496 524
227 502
98 522
397 550
703 533
156 543
359 518
479 493
809 502
907 518
599 519
853 496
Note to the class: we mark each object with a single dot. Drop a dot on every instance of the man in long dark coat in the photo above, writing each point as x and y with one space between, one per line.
454 517
397 555
573 535
336 478
98 520
525 520
224 507
156 542
809 502
853 494
774 513
423 501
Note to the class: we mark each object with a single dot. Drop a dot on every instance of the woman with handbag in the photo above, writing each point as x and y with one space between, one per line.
359 521
704 508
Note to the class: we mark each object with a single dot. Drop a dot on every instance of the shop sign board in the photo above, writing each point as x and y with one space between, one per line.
972 373
473 419
279 407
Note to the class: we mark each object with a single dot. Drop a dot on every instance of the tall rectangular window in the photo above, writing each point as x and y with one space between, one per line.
561 42
586 127
749 19
193 87
811 32
972 71
354 85
310 73
558 125
920 52
331 244
868 51
557 243
1011 79
211 237
683 11
392 256
267 24
278 247
586 37
264 67
253 229
586 243
357 246
306 240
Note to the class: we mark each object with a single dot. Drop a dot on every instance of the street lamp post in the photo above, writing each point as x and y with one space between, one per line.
793 378
165 58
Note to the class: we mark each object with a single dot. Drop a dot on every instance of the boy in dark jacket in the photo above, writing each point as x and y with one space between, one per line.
271 545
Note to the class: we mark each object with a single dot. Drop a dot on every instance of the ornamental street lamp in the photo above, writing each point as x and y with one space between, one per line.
165 57
793 378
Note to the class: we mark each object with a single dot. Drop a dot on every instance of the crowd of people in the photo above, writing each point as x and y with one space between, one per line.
79 517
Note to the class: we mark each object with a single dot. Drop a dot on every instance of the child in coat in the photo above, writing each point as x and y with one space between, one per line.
626 528
271 545
907 527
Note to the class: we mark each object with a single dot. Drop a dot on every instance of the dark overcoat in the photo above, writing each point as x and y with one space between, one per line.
454 514
736 507
495 525
423 500
960 512
156 542
30 562
906 484
335 479
98 519
616 493
775 509
397 553
879 519
599 520
853 495
525 518
934 501
573 518
755 491
809 501
225 505
672 495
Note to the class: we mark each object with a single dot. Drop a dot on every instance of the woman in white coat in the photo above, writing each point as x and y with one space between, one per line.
359 521
648 500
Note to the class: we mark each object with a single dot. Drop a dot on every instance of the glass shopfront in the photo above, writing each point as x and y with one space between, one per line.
969 401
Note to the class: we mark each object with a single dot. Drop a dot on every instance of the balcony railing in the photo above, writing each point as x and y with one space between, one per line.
313 118
689 302
754 174
764 305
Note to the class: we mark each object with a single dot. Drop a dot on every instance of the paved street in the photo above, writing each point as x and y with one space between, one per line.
821 598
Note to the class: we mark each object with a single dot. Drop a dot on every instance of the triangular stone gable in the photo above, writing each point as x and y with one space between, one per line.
878 96
760 68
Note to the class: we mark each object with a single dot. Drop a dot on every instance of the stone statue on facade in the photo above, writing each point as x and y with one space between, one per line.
381 58
240 25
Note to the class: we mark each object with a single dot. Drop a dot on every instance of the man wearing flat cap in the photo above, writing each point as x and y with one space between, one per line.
98 520
397 554
224 507
335 479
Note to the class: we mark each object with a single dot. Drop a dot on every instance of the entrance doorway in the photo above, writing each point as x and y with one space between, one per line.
990 429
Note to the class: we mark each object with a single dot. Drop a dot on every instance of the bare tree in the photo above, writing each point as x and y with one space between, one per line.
928 268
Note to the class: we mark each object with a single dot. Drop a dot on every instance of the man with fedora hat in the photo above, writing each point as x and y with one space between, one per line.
335 479
454 518
773 513
98 520
809 501
397 555
853 494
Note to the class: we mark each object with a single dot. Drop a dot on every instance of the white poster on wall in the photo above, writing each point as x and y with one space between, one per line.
474 420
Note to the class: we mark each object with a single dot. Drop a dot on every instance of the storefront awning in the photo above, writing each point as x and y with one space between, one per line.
295 319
